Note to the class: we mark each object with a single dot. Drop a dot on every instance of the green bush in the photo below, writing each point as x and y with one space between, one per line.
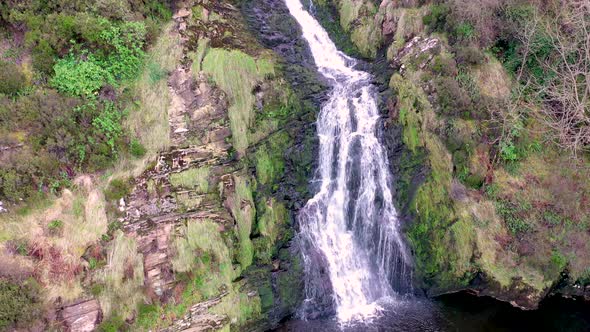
79 77
509 152
465 31
79 48
108 124
12 79
511 213
157 10
18 303
113 9
470 55
124 43
75 133
120 58
474 181
24 174
113 324
453 100
43 57
444 66
117 189
55 224
436 19
137 149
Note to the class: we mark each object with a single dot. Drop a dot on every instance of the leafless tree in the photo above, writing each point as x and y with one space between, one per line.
565 89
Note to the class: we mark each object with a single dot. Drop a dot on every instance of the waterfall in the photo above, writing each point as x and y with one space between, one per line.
353 254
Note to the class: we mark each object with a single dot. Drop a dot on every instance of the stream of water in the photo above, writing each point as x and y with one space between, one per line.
357 269
355 260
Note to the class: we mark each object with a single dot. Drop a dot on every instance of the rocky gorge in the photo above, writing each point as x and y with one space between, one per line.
203 235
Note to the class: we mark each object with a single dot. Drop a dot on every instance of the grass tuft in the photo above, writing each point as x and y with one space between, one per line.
197 178
237 73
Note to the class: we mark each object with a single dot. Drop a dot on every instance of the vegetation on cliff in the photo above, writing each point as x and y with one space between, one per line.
68 69
486 94
153 169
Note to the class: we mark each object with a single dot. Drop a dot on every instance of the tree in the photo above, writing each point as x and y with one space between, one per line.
565 88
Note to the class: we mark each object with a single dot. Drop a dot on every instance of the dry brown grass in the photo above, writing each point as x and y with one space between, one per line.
122 277
492 79
57 256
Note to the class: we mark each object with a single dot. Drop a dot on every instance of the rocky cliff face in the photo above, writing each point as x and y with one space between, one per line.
473 221
205 236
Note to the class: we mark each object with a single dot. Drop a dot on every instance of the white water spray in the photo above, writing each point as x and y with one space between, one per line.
349 229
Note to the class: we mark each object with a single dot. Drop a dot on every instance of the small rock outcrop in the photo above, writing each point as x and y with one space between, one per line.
82 316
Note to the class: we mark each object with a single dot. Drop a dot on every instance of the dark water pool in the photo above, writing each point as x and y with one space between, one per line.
464 312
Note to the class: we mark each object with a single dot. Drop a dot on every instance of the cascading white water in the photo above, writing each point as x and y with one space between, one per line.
349 229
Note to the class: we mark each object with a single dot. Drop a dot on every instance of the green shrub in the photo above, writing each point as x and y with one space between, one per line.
465 31
55 226
470 55
509 152
113 9
137 149
157 10
511 213
43 57
125 43
108 124
117 189
444 66
553 219
12 79
18 303
79 77
452 99
436 19
113 324
73 133
96 289
24 174
474 181
120 58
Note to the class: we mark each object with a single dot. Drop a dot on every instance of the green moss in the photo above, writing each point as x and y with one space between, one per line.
197 178
238 306
266 296
431 234
290 282
358 19
409 24
237 73
244 212
269 158
412 101
200 236
198 56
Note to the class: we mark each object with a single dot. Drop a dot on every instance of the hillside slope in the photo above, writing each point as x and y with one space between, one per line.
496 205
197 232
